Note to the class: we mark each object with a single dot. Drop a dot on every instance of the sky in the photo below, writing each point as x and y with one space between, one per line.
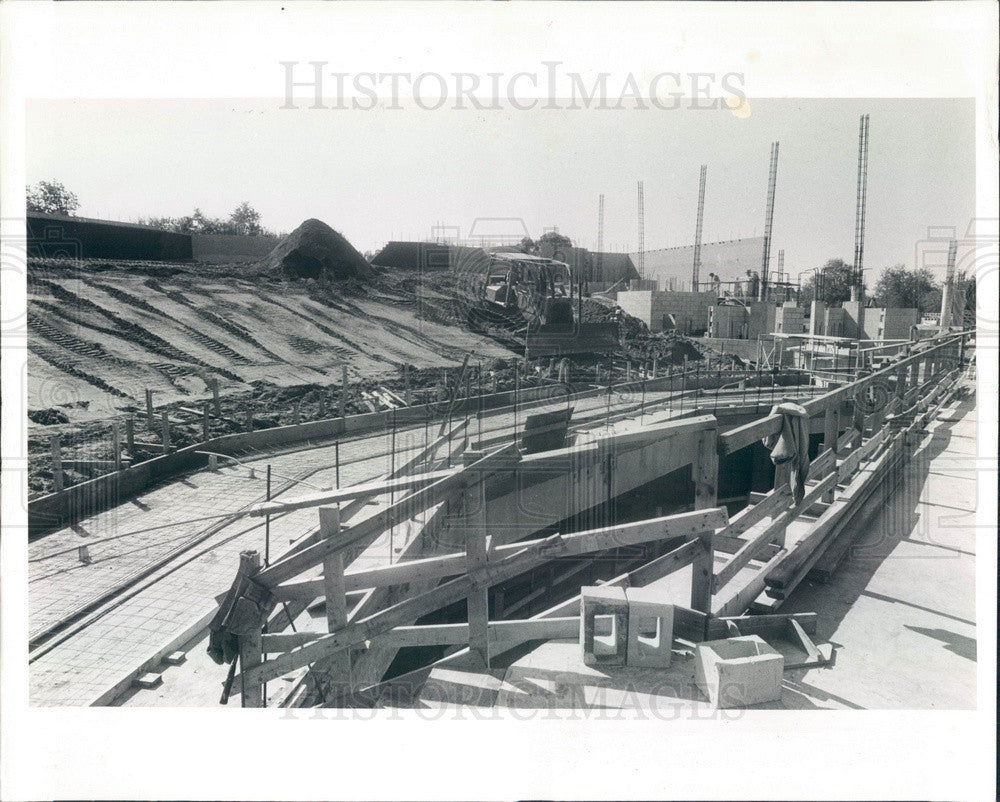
393 174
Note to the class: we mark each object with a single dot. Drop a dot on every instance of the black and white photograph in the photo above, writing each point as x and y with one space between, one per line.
404 388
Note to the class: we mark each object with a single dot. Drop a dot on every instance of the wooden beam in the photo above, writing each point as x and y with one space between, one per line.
704 471
394 514
771 504
477 602
779 524
339 667
718 626
413 608
382 487
407 610
743 436
687 525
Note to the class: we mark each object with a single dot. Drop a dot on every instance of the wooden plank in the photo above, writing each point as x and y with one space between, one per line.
688 525
788 573
502 633
853 460
382 487
779 524
286 641
394 514
410 609
668 563
545 431
849 437
477 602
744 597
718 626
822 465
704 471
338 668
449 592
771 503
743 436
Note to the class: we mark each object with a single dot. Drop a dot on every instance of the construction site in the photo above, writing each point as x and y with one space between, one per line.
474 473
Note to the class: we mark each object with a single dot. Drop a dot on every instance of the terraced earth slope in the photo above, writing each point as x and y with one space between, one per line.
100 334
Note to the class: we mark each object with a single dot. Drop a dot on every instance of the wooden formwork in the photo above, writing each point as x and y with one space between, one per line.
839 480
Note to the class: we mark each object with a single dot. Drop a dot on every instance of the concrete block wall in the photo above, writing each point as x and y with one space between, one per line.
761 321
895 322
729 322
789 319
688 309
833 325
639 303
878 323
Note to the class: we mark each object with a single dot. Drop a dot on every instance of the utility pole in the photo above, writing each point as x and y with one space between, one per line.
600 223
857 286
642 236
696 269
772 179
944 321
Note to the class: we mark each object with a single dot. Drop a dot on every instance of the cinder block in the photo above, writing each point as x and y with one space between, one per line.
737 672
175 658
609 650
650 628
147 681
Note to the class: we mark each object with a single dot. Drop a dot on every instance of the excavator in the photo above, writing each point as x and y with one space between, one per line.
531 299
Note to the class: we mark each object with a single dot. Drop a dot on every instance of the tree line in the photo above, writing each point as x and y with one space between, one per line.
51 197
898 286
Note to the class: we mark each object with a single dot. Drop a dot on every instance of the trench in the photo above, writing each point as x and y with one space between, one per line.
545 586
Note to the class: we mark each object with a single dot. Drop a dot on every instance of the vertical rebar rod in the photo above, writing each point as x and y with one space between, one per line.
267 520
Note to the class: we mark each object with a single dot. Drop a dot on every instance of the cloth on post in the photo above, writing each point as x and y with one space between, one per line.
791 445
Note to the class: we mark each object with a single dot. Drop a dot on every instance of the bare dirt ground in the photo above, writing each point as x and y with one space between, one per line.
101 333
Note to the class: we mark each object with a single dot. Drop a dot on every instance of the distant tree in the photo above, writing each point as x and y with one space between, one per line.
528 245
51 197
245 220
831 284
969 284
555 240
900 287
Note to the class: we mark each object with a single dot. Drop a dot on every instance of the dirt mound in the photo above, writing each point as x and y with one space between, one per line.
314 250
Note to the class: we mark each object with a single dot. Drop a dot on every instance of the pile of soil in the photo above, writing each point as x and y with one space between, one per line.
594 311
669 349
314 250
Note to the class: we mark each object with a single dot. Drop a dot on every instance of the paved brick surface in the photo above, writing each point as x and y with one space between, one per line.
138 623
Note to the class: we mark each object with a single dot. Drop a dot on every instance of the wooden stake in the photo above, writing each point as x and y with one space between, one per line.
250 642
249 417
477 601
149 408
204 422
116 444
343 391
704 471
296 408
55 448
339 665
214 384
831 432
130 436
165 429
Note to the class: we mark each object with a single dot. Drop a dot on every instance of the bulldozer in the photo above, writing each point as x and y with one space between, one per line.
531 298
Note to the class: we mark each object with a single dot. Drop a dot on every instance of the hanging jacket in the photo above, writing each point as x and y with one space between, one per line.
791 445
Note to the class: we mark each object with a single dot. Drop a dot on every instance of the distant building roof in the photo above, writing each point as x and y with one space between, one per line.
63 218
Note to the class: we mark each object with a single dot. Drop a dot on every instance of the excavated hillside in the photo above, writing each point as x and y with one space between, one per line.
102 333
